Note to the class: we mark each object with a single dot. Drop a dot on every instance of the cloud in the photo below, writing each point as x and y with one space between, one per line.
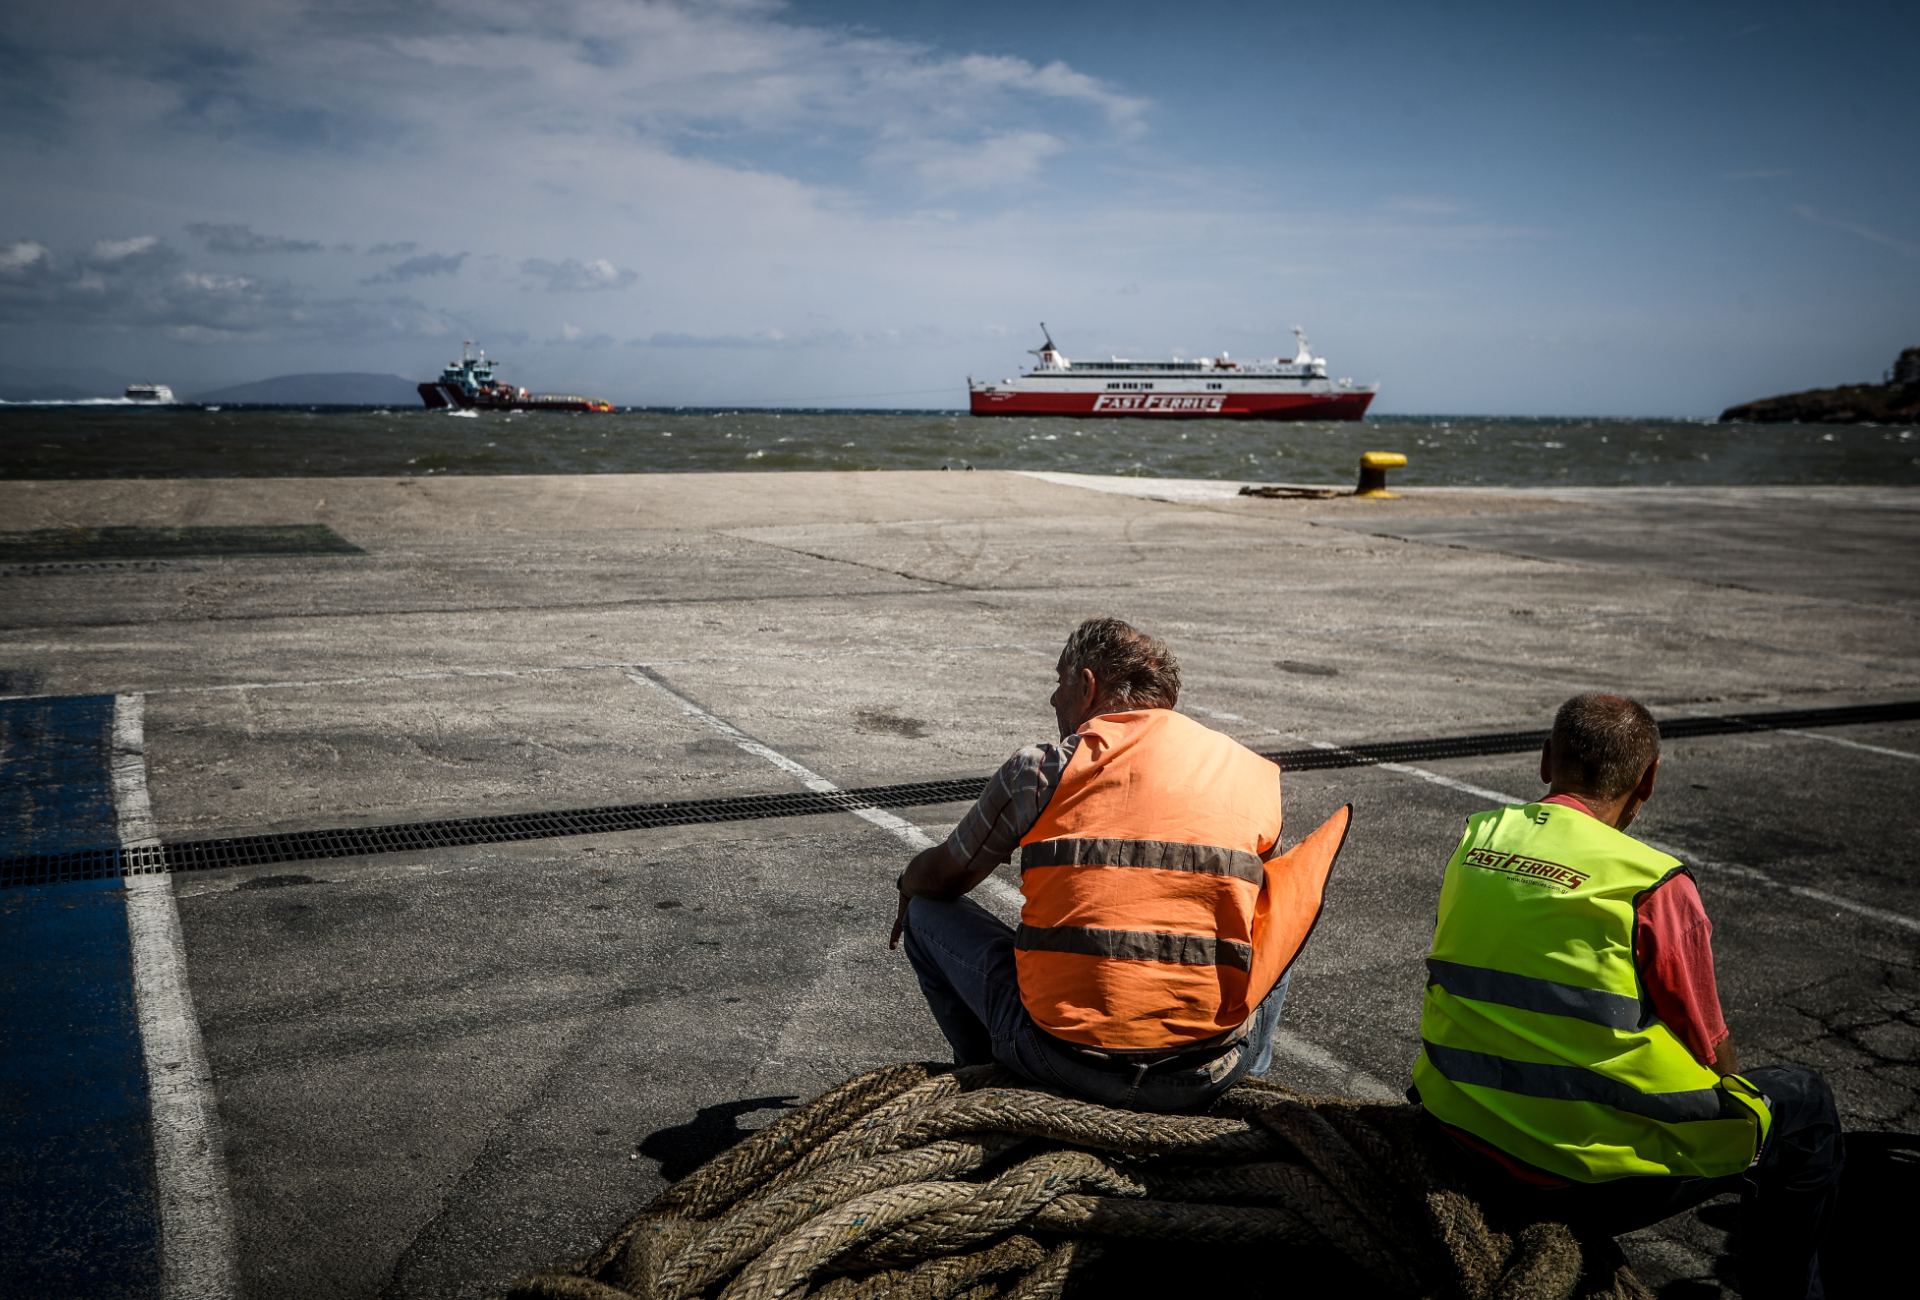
1905 247
142 284
571 276
419 268
573 336
1053 81
397 248
291 76
22 255
988 164
119 250
241 240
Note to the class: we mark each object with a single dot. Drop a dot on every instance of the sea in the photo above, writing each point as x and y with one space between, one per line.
119 440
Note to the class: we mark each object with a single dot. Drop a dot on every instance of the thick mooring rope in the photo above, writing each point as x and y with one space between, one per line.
921 1181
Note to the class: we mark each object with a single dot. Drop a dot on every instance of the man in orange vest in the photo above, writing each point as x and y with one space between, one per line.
1160 920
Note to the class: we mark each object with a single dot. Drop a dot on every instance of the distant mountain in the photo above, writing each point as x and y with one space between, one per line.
352 389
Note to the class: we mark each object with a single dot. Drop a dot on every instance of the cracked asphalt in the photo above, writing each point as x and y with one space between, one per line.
436 1070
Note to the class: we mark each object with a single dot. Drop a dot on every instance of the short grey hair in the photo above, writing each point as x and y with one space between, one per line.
1604 743
1135 671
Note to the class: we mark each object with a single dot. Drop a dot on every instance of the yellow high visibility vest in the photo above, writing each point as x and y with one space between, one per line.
1535 1036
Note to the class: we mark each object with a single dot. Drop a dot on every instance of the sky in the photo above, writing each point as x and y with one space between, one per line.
1571 209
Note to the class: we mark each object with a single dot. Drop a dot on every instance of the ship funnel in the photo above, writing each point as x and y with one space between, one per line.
1049 354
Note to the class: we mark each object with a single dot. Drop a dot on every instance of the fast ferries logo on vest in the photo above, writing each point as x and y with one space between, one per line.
1539 869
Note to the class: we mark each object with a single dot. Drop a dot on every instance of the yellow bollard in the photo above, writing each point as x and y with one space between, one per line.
1373 473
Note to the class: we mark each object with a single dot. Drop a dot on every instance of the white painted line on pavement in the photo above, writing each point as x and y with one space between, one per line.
898 827
1715 866
127 762
1820 736
1347 1079
189 1153
1852 744
1690 858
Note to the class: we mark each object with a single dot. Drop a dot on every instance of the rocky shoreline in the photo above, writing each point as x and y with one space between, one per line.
1894 402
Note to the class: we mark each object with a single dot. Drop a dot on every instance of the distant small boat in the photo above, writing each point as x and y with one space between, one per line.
468 385
148 393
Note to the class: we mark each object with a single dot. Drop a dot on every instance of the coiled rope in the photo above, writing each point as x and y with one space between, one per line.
923 1181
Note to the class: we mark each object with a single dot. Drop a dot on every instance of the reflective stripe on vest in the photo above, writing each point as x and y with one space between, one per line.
1148 892
1206 859
1615 1010
1572 1083
1136 945
1536 1038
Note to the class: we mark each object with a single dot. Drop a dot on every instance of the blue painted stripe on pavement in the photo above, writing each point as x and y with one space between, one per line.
56 789
77 1209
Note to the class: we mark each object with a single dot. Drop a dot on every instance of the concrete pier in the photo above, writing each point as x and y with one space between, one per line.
428 1071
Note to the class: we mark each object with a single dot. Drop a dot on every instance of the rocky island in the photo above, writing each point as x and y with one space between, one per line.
1892 402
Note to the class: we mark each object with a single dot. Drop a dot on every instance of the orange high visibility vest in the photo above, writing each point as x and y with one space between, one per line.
1156 914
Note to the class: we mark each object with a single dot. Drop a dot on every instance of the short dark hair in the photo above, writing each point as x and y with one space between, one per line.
1603 743
1135 671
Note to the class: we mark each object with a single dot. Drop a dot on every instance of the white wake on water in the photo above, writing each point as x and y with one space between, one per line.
85 401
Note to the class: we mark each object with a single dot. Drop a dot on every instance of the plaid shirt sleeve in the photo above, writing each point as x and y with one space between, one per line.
1012 802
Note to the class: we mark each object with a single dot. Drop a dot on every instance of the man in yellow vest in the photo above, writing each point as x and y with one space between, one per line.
1571 1034
1159 920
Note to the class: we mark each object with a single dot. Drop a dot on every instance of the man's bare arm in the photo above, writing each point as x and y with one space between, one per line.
1725 1059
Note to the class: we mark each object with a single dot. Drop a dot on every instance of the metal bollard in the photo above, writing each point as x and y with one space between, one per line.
1373 473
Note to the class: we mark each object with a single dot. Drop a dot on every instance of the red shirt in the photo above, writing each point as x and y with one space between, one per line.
1673 949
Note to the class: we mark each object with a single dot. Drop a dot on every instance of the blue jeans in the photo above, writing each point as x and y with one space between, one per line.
964 957
1791 1193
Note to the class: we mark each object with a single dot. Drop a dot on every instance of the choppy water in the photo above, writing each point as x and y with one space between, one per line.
118 441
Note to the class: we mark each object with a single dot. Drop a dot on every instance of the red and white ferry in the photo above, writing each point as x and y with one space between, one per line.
1212 388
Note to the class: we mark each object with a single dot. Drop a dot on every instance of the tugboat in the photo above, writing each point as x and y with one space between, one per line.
1212 388
148 393
468 385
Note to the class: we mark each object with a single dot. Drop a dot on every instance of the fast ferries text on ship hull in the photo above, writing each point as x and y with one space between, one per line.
1212 388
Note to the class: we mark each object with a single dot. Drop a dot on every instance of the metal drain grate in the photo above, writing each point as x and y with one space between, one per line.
466 832
59 548
1486 744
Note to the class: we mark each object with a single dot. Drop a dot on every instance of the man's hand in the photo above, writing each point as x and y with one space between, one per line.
934 873
900 917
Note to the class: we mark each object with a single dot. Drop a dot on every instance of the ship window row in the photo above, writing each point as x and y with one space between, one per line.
1138 365
1110 387
1257 371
